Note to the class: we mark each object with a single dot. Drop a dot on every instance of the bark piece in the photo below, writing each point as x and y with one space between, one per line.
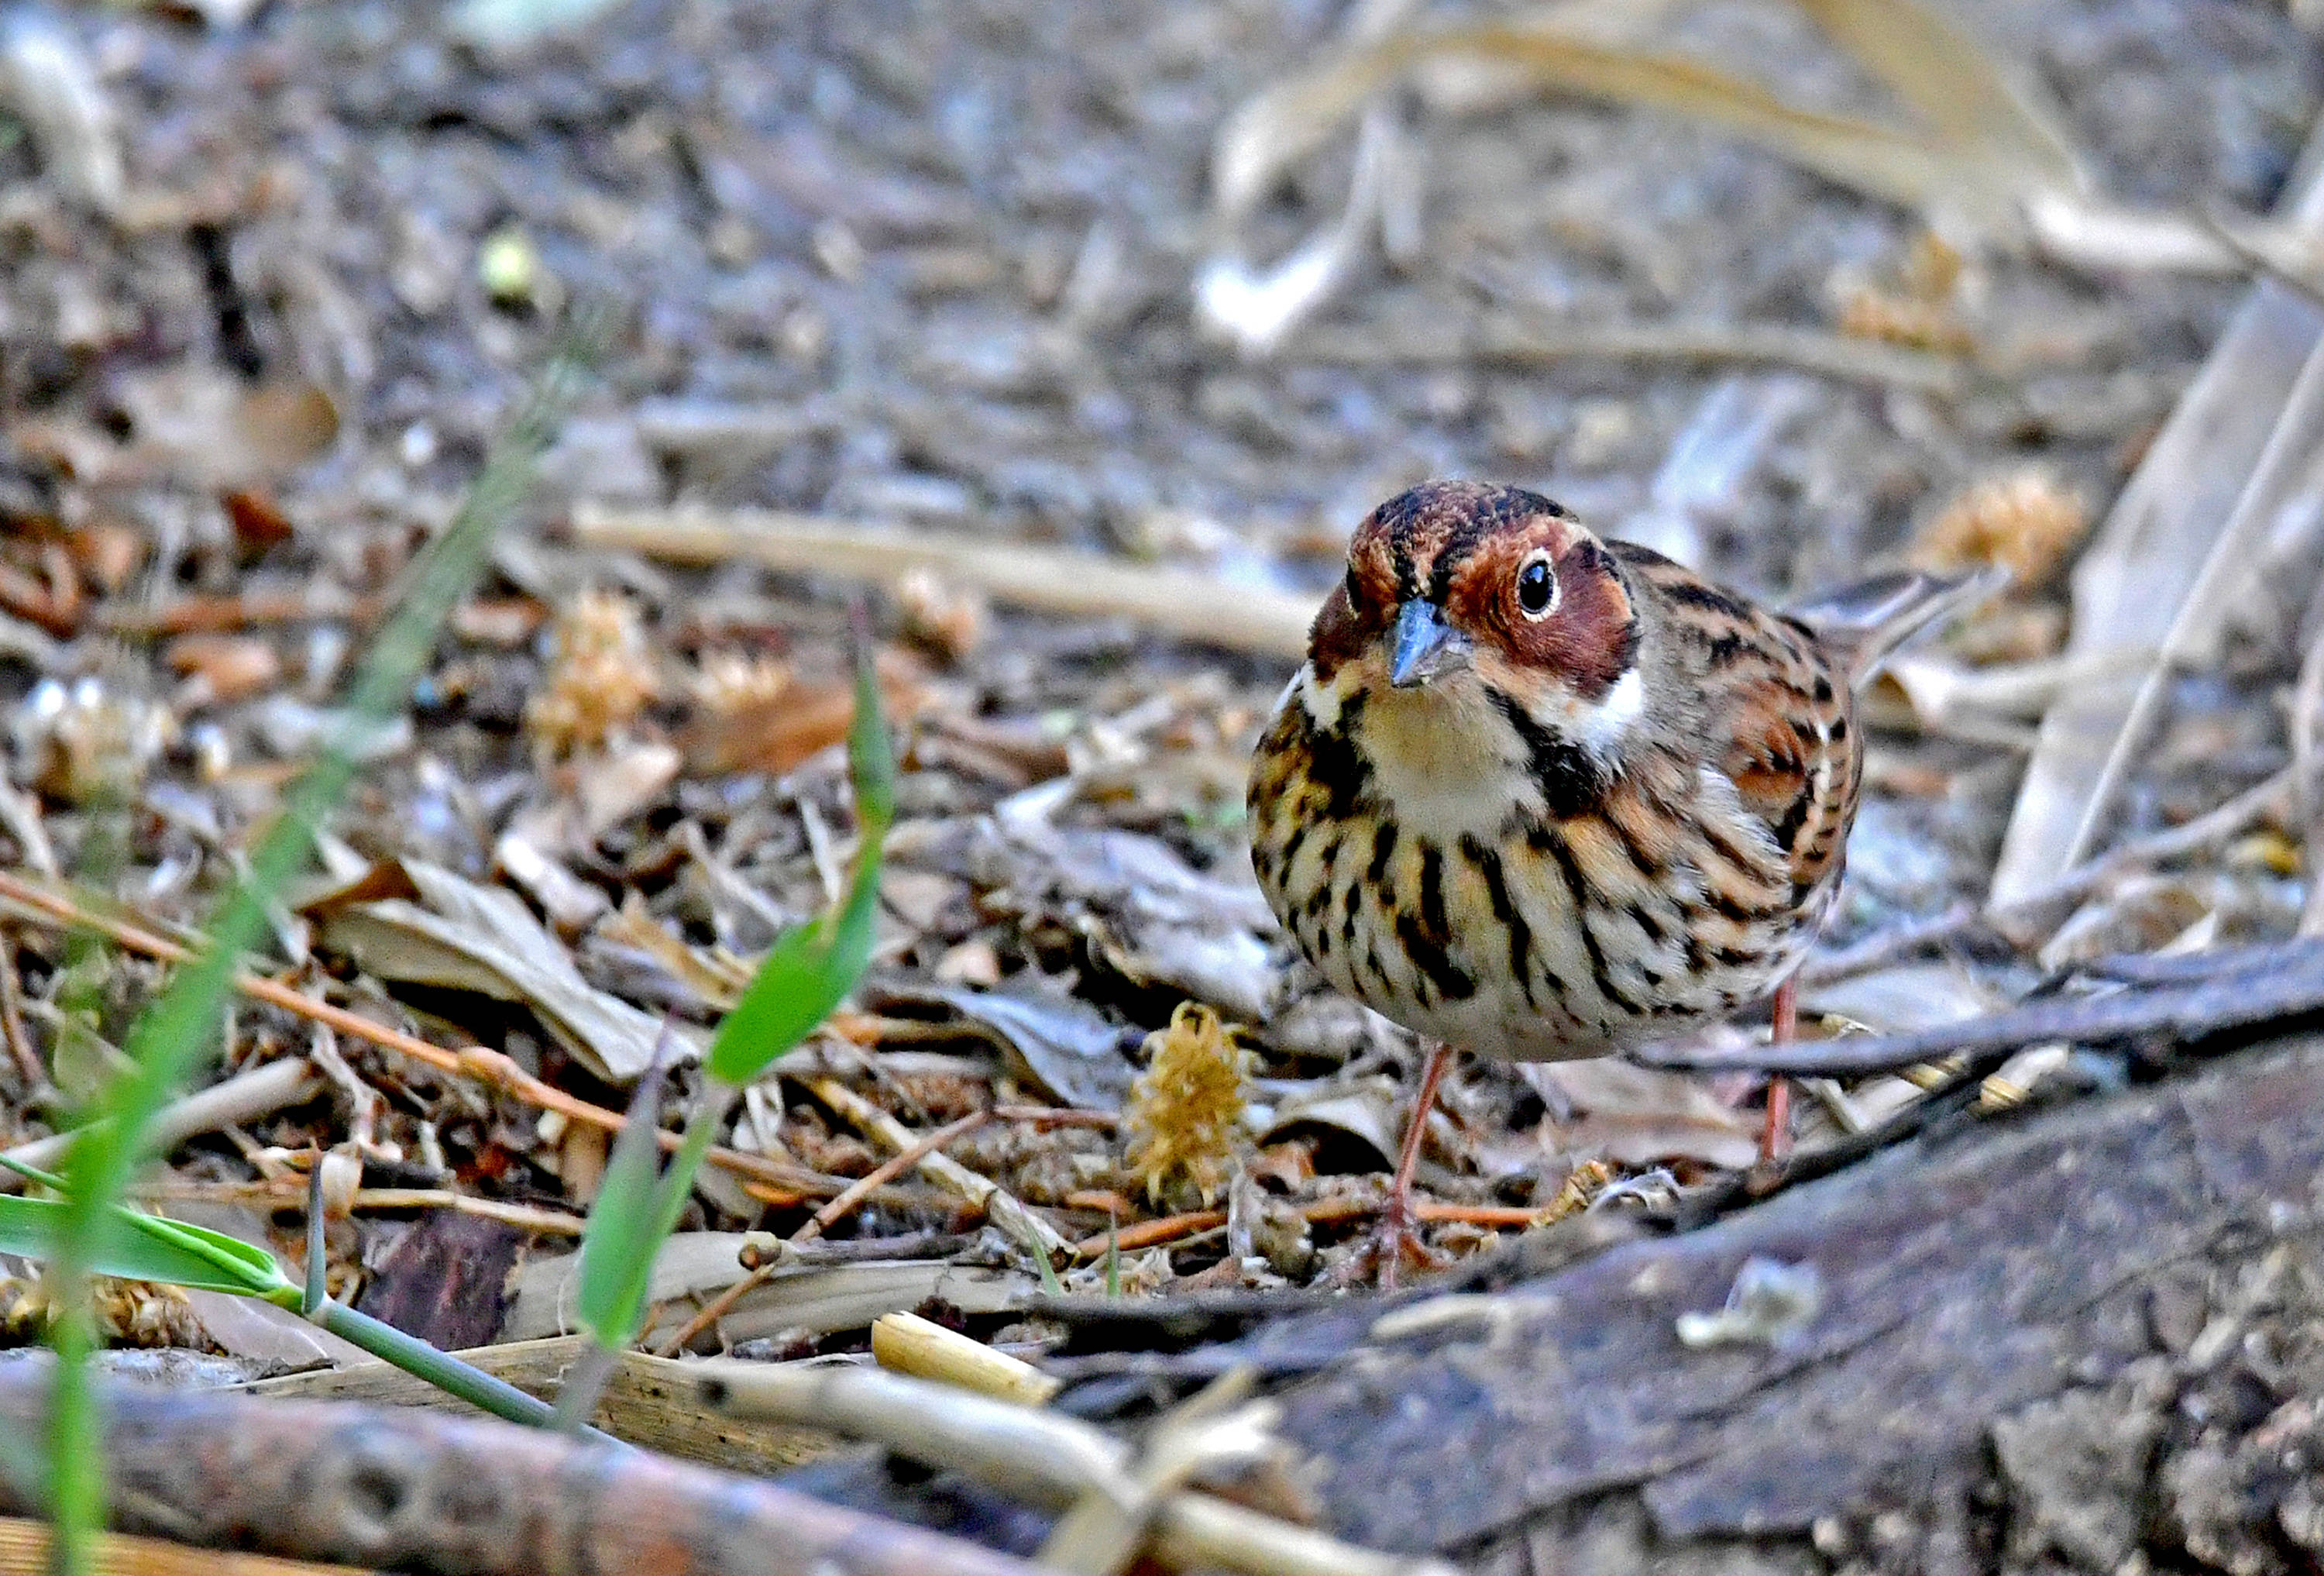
1958 1289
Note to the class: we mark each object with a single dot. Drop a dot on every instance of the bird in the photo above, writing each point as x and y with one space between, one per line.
1540 794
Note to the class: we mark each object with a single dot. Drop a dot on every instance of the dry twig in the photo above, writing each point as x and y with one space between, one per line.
490 1067
1044 1457
1178 602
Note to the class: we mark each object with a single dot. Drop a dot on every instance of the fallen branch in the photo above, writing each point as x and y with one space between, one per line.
1177 601
382 1488
2128 1259
2238 990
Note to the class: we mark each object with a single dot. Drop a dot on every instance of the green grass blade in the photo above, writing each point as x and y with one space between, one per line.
174 1034
813 967
447 1373
619 1244
1048 1271
168 1251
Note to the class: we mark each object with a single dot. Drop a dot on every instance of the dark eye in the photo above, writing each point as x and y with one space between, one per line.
1536 587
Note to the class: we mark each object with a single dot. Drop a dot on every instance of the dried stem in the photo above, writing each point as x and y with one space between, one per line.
36 903
1000 1205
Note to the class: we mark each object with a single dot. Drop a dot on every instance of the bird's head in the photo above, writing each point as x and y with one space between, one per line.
1473 591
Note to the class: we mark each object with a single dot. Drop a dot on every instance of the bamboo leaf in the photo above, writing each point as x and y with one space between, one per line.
1992 144
1968 95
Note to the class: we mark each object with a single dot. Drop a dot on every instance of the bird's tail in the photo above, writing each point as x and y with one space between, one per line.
1868 622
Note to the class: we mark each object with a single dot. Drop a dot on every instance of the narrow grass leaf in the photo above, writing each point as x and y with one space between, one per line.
168 1251
1970 96
176 1034
1041 1265
1299 115
813 967
618 1247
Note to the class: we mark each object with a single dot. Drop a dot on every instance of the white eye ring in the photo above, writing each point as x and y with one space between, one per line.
1543 585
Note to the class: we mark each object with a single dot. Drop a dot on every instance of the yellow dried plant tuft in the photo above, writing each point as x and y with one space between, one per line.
601 674
1918 305
2027 522
1186 1111
727 682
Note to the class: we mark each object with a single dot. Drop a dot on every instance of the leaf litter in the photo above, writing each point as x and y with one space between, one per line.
1098 538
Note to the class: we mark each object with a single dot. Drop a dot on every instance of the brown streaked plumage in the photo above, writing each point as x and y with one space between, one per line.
1541 796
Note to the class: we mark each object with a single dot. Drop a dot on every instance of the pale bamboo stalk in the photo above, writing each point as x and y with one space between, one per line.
906 1343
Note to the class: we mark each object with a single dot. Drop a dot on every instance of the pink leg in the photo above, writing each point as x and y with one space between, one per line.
1776 1141
1394 1240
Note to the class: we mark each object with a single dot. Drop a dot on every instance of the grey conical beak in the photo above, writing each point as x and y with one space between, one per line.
1424 644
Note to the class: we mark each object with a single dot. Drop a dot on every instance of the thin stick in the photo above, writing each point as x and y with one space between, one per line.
887 1171
247 1095
1508 343
2205 832
11 1023
718 1308
1879 949
1179 602
1153 1233
862 1188
470 1061
1330 1212
1001 1206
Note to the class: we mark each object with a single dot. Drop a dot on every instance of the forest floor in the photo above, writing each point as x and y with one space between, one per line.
271 285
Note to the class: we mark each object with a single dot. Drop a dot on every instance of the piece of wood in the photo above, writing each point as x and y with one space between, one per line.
2249 993
25 1552
415 1491
643 1404
1960 1291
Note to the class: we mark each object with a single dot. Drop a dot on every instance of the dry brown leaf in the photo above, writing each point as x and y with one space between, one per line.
470 937
1301 113
1638 1116
1975 100
226 667
775 735
714 976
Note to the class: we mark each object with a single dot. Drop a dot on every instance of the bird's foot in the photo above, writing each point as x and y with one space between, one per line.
1392 1246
